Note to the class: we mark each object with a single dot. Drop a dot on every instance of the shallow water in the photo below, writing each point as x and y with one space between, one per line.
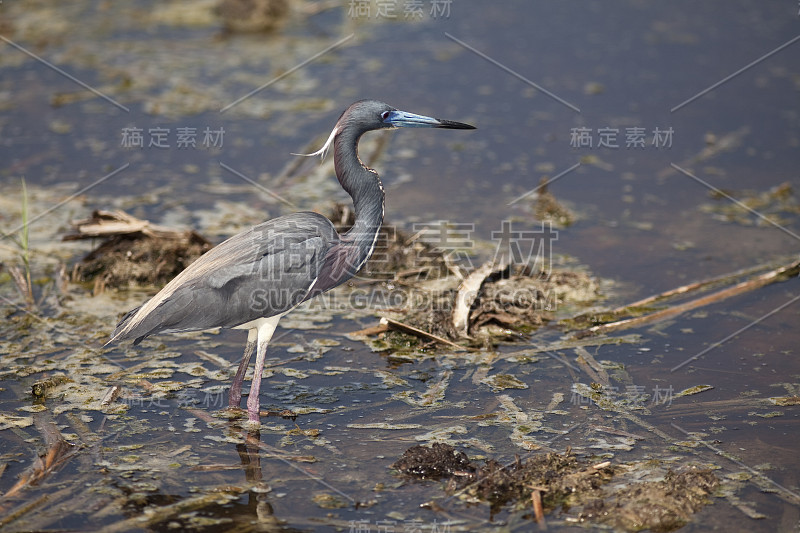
641 223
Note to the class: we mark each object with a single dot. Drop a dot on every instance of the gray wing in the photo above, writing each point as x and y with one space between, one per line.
261 272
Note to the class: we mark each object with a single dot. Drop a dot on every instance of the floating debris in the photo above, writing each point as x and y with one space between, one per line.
136 252
399 326
249 16
494 303
524 299
559 477
641 312
330 501
500 382
57 452
14 421
753 207
657 506
548 209
40 388
786 401
468 292
435 462
562 478
551 481
716 145
693 390
111 395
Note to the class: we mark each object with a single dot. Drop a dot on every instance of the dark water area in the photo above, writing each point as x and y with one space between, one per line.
693 115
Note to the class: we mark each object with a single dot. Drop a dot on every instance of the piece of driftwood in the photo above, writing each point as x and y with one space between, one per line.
538 510
111 223
133 251
58 451
468 292
688 288
589 364
372 330
778 274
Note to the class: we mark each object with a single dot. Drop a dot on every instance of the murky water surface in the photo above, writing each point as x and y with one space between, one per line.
663 128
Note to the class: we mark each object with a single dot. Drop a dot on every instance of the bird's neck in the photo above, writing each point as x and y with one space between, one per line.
364 187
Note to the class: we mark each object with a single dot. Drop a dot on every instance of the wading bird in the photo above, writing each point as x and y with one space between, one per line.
255 277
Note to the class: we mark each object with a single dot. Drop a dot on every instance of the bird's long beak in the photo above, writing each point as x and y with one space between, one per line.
403 119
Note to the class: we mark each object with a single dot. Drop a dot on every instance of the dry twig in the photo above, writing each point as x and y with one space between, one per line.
778 274
411 330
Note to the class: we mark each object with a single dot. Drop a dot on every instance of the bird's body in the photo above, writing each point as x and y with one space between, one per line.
255 277
229 279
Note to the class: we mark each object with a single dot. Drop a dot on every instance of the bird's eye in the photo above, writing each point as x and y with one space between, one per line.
384 115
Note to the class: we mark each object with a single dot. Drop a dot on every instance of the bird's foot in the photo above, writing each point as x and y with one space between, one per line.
253 410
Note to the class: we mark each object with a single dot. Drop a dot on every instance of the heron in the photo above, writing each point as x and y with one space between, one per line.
252 279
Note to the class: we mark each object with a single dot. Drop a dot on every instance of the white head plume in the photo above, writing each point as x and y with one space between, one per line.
324 150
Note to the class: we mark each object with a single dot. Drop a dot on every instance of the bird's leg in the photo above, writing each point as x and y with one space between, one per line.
253 400
235 394
265 331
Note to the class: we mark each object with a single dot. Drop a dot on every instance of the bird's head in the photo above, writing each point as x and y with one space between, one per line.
375 115
368 115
